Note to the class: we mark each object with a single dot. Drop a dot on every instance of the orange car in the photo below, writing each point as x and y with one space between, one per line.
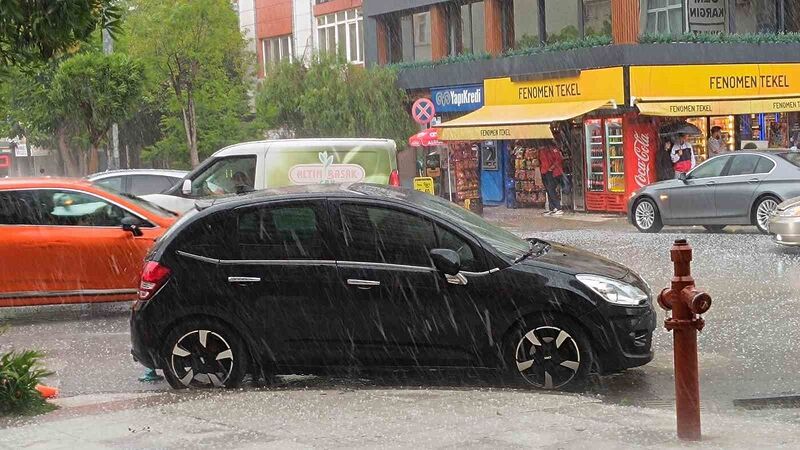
68 241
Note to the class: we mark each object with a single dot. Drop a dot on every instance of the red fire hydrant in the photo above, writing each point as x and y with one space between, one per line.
686 303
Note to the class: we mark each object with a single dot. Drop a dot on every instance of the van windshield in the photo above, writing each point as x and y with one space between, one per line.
225 176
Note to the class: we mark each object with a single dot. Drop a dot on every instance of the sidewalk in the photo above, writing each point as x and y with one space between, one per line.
377 418
530 218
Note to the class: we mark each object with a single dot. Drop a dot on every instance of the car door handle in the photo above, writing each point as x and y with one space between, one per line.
363 284
753 180
711 183
244 280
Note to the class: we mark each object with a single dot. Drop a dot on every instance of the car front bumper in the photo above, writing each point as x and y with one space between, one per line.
785 230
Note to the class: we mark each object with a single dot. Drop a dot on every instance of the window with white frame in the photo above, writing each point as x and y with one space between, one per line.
277 49
342 33
663 16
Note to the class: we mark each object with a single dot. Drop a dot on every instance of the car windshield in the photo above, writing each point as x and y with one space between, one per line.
140 202
500 239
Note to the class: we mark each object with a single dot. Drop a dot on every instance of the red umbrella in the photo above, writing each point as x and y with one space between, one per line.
426 138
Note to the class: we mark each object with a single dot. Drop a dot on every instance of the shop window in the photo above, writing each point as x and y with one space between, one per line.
662 16
525 20
757 16
597 17
342 33
277 49
561 20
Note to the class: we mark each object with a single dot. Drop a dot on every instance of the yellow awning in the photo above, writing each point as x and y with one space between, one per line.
689 107
514 121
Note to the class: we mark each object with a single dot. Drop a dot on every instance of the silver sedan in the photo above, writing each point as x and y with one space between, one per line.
739 188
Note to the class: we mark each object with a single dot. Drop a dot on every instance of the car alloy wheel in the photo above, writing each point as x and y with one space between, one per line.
548 357
764 211
645 215
202 358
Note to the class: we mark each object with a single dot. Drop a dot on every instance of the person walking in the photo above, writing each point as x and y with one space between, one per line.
551 165
682 156
716 145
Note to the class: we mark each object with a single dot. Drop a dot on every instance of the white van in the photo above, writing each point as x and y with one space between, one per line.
276 163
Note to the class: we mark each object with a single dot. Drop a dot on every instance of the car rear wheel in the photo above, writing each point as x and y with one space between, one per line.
714 228
763 211
204 354
550 352
646 217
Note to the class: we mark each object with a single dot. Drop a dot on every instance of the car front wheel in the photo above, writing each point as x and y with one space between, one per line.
551 352
204 354
646 217
762 212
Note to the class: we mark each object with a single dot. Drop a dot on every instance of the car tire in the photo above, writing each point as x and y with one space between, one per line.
714 228
204 353
646 216
762 211
549 351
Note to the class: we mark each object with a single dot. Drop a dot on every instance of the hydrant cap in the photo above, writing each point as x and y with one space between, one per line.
701 303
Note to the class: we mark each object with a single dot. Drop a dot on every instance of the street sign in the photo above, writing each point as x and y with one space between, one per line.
21 151
424 184
423 111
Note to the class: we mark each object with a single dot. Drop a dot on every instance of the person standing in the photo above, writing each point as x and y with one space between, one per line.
551 165
664 164
682 156
716 145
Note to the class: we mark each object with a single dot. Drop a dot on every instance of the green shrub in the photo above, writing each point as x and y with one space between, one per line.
20 372
712 38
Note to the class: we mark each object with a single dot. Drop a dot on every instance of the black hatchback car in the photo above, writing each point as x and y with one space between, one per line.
303 279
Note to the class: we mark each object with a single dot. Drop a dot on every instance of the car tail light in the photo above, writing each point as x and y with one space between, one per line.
154 275
394 178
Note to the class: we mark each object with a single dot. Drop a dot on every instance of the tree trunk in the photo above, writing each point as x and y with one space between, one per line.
93 159
190 126
70 166
123 157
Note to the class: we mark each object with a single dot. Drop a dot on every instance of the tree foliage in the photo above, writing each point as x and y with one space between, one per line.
198 67
331 98
35 30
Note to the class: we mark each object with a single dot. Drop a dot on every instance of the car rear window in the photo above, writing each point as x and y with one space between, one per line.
793 157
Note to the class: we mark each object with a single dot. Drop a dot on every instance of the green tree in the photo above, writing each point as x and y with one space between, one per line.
331 98
97 90
35 30
194 50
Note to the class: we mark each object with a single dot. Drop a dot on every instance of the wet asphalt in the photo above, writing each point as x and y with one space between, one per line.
749 348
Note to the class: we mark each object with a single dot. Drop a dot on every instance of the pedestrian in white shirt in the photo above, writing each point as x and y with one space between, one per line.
682 156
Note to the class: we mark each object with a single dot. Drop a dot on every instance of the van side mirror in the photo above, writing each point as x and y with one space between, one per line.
446 261
131 225
186 187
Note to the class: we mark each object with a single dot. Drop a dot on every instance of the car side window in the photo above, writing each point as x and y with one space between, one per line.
743 165
711 168
61 208
113 183
383 235
226 176
764 165
149 184
211 236
295 231
19 208
451 241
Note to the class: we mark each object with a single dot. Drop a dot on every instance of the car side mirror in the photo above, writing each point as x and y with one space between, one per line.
186 187
131 225
682 176
446 261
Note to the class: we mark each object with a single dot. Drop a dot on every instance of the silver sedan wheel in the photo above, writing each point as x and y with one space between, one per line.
765 210
547 357
645 215
202 358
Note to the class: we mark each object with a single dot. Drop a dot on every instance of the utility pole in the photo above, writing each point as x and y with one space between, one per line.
113 161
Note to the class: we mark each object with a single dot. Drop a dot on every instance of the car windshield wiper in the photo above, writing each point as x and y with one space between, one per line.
538 248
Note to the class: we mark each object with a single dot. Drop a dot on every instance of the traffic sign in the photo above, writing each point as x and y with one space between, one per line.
423 111
424 184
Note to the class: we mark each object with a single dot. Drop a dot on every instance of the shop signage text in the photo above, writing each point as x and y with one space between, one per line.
706 15
457 99
641 148
588 85
549 91
424 184
748 81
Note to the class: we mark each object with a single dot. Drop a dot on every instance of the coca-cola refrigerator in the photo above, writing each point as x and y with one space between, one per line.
620 156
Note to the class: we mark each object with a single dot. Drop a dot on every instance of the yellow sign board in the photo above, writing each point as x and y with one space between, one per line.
424 184
709 82
593 84
496 132
719 107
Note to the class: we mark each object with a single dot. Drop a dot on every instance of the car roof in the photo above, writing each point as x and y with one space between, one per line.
246 148
346 190
129 172
44 182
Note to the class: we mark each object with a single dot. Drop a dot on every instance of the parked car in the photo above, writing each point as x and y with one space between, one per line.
138 181
301 279
739 188
268 164
784 225
69 241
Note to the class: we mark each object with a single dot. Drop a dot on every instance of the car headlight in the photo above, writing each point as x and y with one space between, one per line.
614 291
794 211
